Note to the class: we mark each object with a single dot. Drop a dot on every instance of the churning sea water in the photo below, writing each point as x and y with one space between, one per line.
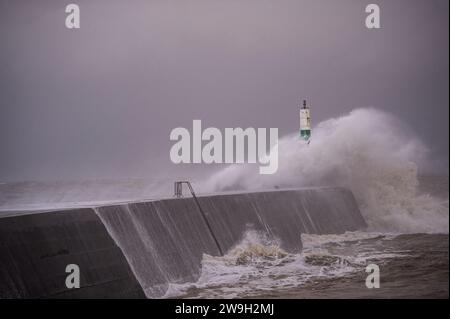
412 265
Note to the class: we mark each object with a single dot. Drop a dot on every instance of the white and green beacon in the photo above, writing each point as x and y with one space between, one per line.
305 122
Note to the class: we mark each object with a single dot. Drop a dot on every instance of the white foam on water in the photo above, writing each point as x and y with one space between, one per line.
368 151
258 265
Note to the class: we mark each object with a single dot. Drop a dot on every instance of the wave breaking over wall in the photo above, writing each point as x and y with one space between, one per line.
367 151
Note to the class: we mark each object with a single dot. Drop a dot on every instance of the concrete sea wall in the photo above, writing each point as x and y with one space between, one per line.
139 248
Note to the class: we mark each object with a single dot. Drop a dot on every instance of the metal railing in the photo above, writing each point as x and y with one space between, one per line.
178 190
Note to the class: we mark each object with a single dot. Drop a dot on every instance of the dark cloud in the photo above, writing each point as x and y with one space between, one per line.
101 101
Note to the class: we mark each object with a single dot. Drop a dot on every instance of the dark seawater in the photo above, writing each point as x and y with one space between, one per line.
419 270
412 265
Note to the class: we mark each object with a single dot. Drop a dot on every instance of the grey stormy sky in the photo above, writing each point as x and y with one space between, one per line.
100 102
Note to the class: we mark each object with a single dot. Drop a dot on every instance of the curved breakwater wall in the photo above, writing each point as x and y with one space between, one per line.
131 249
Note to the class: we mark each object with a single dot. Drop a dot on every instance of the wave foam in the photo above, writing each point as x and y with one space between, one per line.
367 151
257 265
